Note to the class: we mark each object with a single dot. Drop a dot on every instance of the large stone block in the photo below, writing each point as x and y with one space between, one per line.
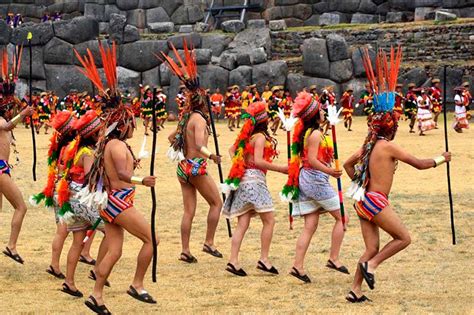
297 82
38 65
161 27
165 75
428 3
362 18
258 56
77 30
367 6
337 47
422 13
5 32
333 18
358 64
95 11
302 11
258 23
137 18
116 27
127 4
272 13
273 72
312 21
149 4
213 77
139 56
193 38
445 16
93 46
396 17
112 9
402 5
228 61
341 71
203 56
315 57
128 79
42 33
157 15
233 26
416 75
130 34
180 15
64 78
58 51
195 14
252 38
216 42
346 6
277 25
242 76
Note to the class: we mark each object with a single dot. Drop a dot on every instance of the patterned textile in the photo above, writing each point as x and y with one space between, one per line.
84 216
119 201
252 195
373 203
316 194
4 167
191 168
460 121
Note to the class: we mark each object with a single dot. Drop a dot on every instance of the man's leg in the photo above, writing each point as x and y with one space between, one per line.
134 223
189 202
73 257
114 252
57 246
103 247
13 195
208 190
237 238
389 221
337 237
370 233
268 220
310 225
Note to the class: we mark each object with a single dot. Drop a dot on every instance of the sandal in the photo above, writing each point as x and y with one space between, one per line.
231 268
261 266
368 277
352 297
68 290
213 252
92 276
92 304
143 297
190 259
7 252
55 274
84 260
295 273
332 265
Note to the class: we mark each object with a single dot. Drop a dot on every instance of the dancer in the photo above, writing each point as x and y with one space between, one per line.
436 99
347 101
466 94
423 115
8 188
411 106
181 100
217 100
308 186
110 184
44 113
273 106
246 187
230 108
366 99
372 170
147 107
461 121
255 96
161 112
189 147
399 100
80 155
267 94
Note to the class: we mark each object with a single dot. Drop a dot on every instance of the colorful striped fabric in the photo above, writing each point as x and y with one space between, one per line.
373 203
4 167
191 168
119 201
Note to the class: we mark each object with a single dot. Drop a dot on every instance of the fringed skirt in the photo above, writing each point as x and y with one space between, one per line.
252 195
425 120
84 216
460 121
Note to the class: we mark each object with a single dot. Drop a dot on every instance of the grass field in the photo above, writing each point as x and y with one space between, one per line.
431 276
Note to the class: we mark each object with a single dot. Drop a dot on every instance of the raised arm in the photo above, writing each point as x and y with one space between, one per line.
422 164
351 162
260 162
313 148
10 125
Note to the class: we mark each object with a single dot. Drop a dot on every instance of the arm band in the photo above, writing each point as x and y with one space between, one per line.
205 151
16 119
136 180
439 160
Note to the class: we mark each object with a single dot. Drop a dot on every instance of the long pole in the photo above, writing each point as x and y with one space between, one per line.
290 205
219 167
30 86
339 181
153 192
448 170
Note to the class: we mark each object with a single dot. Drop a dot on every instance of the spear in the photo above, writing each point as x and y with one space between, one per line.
219 167
448 170
30 83
290 205
333 115
153 192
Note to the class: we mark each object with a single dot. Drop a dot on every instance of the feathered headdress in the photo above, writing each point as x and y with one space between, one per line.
196 97
305 108
109 61
255 114
10 76
63 126
383 121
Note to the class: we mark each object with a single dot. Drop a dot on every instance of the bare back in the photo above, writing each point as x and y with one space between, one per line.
382 166
117 156
5 141
196 136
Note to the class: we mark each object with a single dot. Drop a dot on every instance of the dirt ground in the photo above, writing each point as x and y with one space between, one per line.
431 276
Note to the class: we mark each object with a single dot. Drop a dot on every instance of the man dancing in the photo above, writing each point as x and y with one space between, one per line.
189 147
436 99
8 188
372 170
347 101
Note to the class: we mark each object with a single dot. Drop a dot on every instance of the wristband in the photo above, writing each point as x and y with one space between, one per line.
439 160
136 180
205 151
16 119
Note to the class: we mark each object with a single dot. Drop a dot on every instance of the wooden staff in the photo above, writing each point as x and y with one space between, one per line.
30 85
339 181
219 167
448 171
153 192
290 205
